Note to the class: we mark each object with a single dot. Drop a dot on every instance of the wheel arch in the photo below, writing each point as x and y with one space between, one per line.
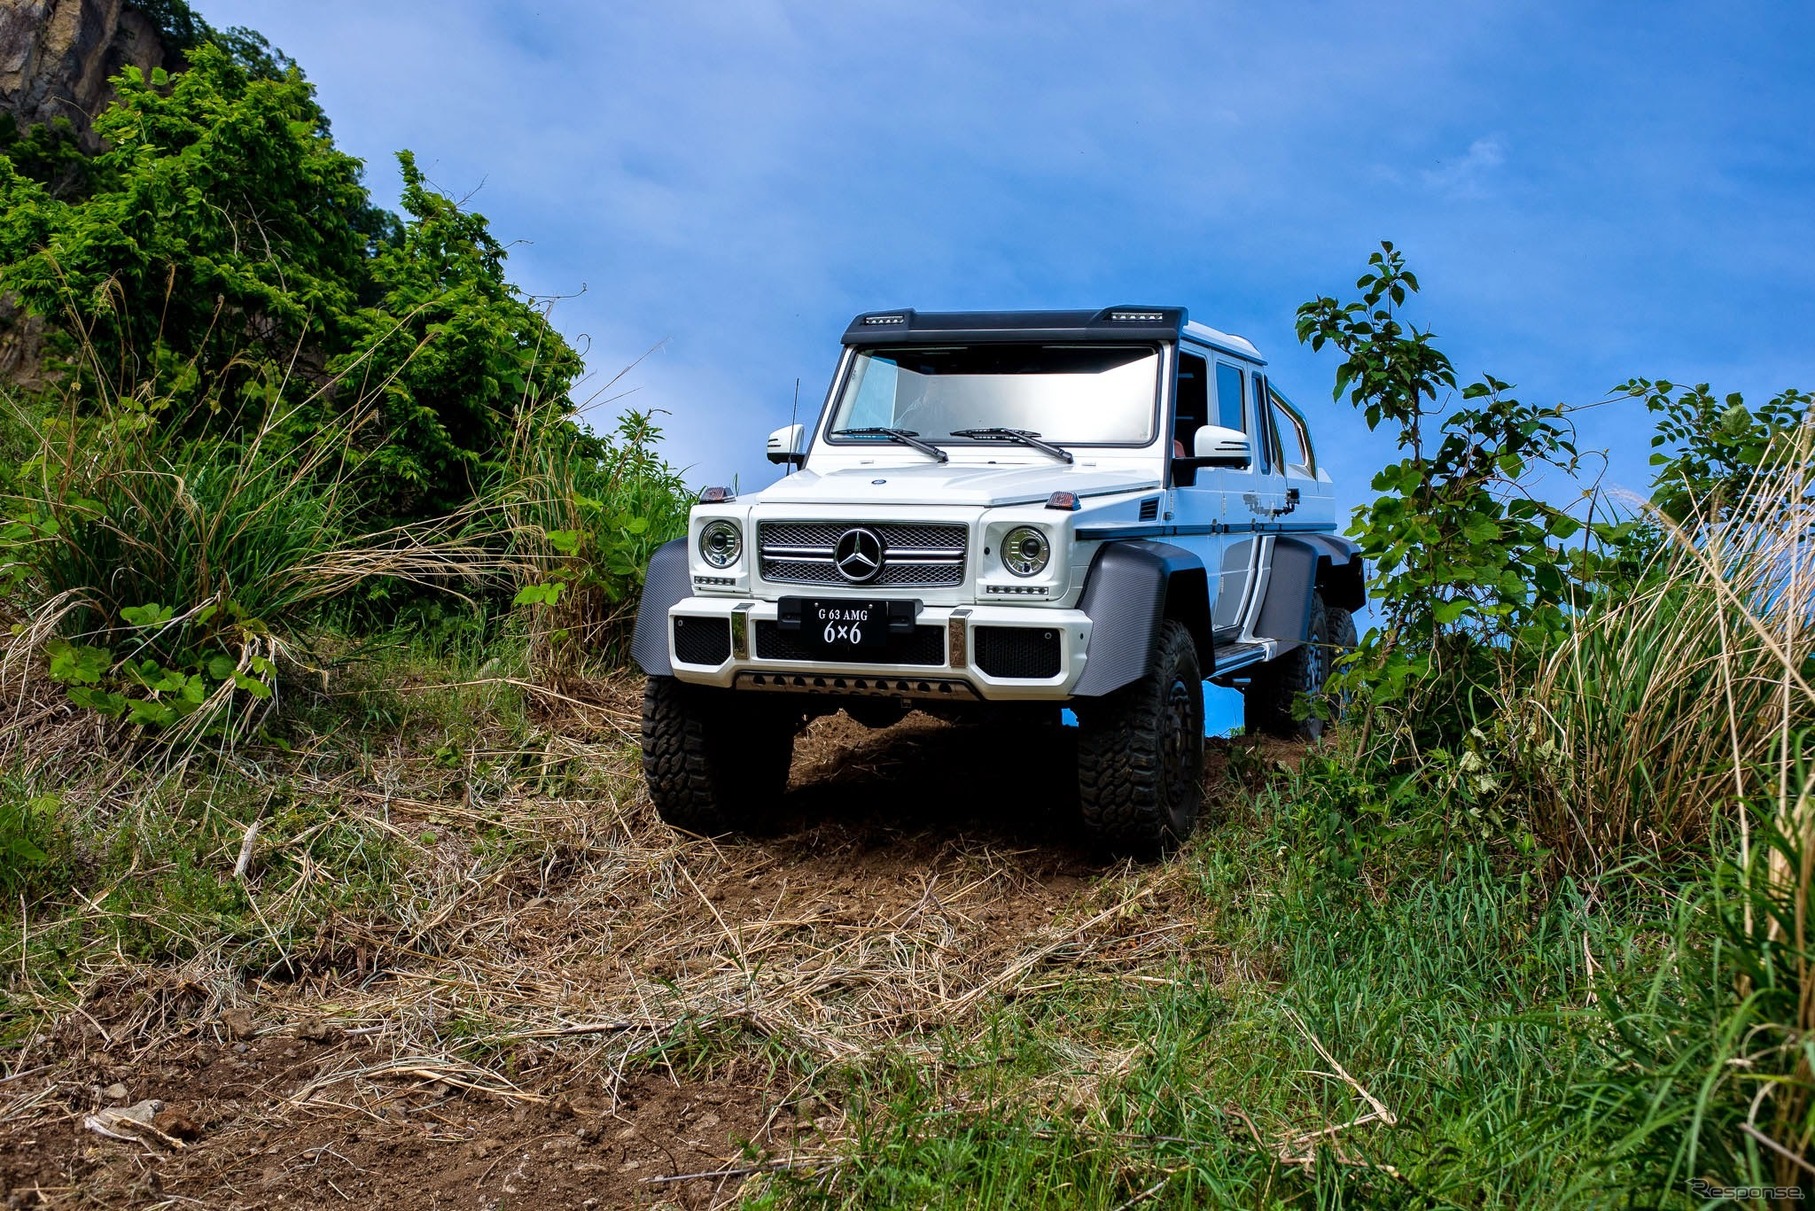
668 581
1131 589
1304 564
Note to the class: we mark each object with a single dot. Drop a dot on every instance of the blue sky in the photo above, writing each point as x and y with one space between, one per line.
1587 191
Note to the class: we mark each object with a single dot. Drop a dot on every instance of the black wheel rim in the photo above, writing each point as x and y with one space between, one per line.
1179 743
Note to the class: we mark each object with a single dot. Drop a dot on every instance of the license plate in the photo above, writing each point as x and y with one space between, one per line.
834 627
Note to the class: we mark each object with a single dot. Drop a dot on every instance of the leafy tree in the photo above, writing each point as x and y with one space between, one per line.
1467 560
450 353
219 237
225 263
49 153
1709 452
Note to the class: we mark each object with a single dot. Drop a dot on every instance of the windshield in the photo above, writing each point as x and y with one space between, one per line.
1068 394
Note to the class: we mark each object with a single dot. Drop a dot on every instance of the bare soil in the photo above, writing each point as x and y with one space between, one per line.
602 1013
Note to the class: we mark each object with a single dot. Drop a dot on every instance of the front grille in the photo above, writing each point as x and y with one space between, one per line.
1029 653
925 646
896 575
922 556
702 640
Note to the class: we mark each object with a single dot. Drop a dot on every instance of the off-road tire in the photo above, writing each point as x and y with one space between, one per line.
712 768
1141 753
1342 630
1268 699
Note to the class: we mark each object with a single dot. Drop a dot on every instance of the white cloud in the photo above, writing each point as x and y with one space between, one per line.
1472 175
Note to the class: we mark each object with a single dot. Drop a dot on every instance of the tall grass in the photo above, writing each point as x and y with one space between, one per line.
1681 718
589 512
177 575
1672 709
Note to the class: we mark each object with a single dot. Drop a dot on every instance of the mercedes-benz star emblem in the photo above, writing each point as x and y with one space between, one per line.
858 555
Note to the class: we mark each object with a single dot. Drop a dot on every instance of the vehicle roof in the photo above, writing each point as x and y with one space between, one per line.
905 326
1228 342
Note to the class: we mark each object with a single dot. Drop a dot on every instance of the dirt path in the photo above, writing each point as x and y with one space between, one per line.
601 1008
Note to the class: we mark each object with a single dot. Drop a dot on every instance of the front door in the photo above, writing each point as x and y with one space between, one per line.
1196 502
1243 498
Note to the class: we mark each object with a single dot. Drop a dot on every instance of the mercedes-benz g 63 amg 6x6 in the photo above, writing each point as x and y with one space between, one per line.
1006 513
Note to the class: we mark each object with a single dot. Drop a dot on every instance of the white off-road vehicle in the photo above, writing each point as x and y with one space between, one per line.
999 514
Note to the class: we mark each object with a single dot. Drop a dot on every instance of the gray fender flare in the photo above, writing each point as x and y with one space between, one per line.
1131 589
1303 564
668 580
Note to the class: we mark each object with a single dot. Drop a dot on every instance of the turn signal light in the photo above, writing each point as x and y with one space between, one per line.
1063 500
717 496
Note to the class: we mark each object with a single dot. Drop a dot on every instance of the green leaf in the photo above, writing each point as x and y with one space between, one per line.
72 664
148 615
252 686
539 594
100 701
1446 612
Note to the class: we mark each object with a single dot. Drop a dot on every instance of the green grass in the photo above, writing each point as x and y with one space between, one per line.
1443 987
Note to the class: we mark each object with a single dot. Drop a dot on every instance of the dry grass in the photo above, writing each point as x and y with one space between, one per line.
550 939
1665 713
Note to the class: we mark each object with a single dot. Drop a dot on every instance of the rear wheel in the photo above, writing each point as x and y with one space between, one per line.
712 769
1268 701
1141 753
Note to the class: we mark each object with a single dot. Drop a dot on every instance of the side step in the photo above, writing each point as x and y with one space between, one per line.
1231 658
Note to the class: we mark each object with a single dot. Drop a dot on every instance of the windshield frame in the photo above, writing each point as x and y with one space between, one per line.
849 362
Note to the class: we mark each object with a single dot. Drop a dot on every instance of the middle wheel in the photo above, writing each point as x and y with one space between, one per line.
1141 753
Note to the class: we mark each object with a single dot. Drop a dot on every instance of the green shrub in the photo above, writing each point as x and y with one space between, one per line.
223 255
593 511
1469 565
167 579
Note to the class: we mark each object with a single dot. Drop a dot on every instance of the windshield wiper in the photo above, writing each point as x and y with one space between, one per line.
906 437
1024 437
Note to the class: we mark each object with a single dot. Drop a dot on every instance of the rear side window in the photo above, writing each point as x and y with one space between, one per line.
1295 434
1270 457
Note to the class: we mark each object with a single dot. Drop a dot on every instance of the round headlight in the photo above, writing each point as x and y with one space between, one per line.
1025 551
721 542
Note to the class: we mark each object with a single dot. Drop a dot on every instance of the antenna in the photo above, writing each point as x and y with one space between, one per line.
794 413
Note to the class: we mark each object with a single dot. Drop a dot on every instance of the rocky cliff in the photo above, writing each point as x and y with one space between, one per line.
56 56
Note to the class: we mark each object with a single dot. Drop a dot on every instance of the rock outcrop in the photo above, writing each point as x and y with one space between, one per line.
56 57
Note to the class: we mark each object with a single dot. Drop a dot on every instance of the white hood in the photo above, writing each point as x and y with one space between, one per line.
946 484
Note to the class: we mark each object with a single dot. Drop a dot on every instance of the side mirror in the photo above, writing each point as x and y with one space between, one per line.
789 445
1218 446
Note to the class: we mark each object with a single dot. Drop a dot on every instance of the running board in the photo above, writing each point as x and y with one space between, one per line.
1233 657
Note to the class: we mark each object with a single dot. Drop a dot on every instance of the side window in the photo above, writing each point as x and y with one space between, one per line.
1231 408
1270 458
1300 456
1193 401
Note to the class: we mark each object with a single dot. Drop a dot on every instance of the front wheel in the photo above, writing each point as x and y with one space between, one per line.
1141 753
713 768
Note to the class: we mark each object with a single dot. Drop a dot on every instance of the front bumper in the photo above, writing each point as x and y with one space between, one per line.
941 660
